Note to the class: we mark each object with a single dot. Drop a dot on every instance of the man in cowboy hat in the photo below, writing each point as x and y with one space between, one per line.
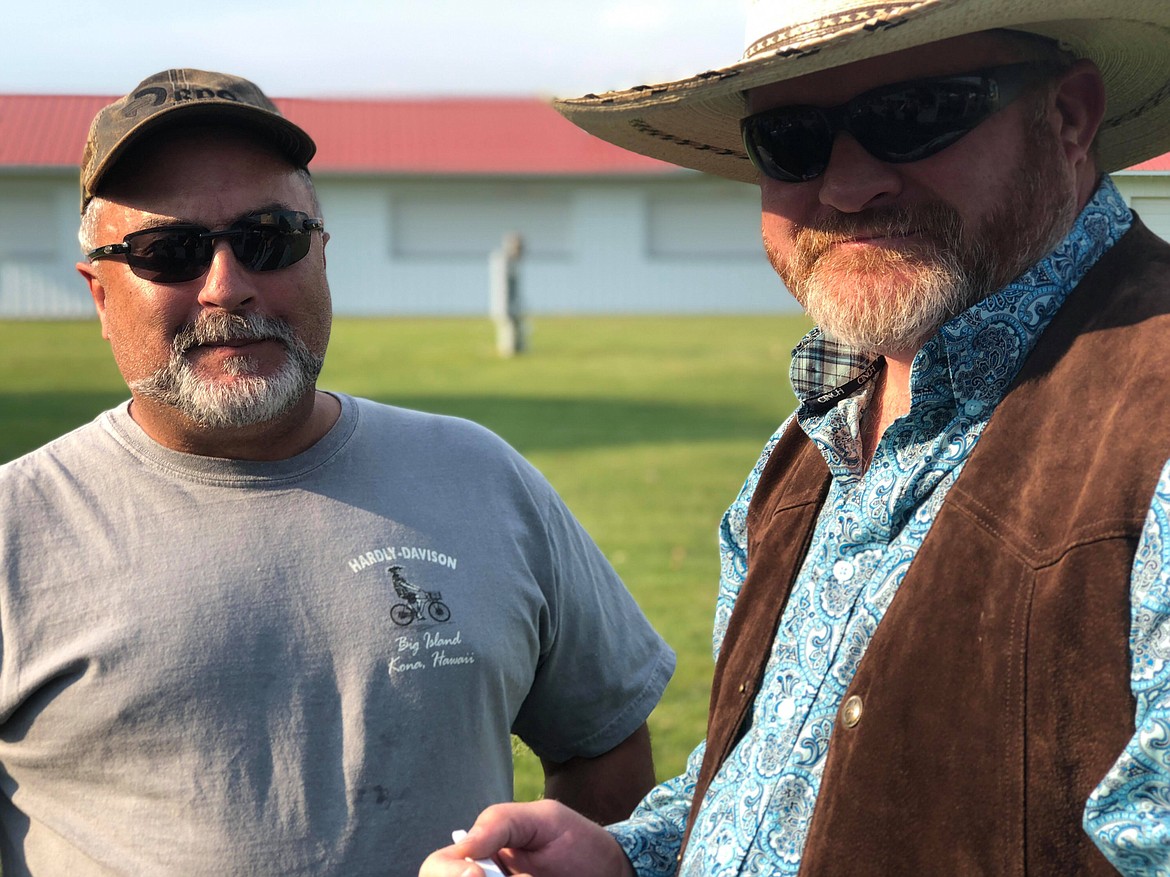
206 665
943 629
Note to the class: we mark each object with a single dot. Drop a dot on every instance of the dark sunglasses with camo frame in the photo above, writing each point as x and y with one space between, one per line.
262 241
902 122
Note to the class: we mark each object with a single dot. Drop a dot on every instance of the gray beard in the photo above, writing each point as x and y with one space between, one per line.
250 398
889 300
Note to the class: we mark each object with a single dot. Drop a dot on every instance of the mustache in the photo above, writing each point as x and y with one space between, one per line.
222 328
935 220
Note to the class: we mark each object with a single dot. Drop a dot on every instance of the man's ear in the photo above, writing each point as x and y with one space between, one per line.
1080 101
98 291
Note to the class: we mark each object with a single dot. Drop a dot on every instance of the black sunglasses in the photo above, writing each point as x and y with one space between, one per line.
263 241
903 122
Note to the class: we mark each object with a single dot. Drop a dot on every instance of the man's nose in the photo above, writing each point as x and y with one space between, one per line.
854 180
227 284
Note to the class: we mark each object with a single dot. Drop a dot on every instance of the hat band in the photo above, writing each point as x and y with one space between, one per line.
650 131
1149 103
794 39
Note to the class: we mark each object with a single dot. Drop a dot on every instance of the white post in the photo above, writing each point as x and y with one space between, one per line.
507 308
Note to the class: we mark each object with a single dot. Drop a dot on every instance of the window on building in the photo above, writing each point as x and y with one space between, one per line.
472 223
704 224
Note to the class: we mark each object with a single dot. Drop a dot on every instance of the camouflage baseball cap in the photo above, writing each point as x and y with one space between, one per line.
184 95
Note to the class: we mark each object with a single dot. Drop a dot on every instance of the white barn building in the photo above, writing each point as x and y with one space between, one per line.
416 195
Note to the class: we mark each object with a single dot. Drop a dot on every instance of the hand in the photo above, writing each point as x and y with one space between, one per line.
543 839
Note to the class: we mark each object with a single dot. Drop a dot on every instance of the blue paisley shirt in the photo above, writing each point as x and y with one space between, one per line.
756 814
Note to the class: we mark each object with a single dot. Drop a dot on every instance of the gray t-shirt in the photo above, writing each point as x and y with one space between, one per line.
309 666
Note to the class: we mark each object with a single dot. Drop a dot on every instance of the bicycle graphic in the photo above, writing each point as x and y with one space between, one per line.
416 602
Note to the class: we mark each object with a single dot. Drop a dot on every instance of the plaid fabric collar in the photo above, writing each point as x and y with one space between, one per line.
825 371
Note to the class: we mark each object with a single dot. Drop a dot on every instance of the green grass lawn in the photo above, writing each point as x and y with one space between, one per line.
646 425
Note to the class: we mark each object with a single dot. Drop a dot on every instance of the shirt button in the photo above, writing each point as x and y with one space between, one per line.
851 712
842 570
973 407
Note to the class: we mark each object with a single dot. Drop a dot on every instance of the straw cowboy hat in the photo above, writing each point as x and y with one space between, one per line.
695 122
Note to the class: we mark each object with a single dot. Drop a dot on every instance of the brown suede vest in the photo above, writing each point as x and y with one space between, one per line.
995 693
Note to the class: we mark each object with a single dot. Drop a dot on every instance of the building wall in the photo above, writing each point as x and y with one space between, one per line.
38 248
1149 195
685 244
676 244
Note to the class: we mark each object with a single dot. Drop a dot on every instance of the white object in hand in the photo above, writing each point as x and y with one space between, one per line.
490 868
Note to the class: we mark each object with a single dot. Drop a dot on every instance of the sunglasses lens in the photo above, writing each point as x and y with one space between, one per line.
171 255
898 123
916 121
270 241
179 253
791 144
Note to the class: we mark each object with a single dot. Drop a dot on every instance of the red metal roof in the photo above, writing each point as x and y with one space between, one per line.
512 136
1161 163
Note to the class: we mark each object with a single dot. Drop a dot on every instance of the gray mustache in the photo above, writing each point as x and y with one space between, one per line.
222 328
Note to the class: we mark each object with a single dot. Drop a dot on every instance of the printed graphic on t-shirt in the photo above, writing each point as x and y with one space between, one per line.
416 603
429 640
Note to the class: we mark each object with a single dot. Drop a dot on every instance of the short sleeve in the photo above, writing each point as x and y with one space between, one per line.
603 667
